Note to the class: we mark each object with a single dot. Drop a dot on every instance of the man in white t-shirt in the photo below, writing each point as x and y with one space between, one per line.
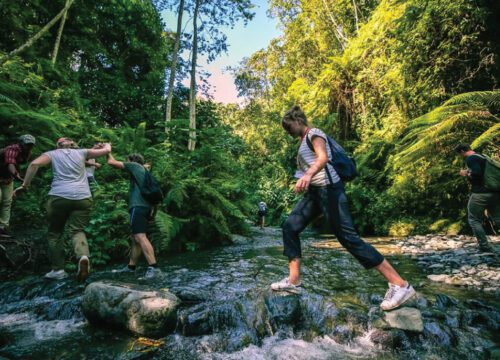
69 202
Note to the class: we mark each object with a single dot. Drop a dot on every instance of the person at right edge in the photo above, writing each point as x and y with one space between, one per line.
481 197
324 193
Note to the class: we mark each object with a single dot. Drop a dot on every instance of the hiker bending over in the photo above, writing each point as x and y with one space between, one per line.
324 193
141 212
69 202
10 158
483 196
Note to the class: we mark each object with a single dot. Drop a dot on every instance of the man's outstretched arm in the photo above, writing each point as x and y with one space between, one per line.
42 160
95 153
115 163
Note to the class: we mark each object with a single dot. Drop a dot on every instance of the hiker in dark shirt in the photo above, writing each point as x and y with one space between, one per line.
141 211
481 198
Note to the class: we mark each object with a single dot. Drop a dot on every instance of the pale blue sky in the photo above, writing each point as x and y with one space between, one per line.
242 42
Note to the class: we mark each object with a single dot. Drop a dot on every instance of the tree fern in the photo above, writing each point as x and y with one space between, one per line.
167 228
8 100
469 118
490 136
490 99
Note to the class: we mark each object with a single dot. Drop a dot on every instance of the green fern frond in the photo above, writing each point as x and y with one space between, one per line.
177 194
437 131
6 99
491 99
168 227
492 135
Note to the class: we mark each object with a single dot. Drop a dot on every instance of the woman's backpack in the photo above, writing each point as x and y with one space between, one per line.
344 165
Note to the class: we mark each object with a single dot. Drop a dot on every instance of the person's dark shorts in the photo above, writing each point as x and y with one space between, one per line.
139 218
262 213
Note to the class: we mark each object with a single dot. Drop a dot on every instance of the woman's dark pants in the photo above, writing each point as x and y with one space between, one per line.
331 201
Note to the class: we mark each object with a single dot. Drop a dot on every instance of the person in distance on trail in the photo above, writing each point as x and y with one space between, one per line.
262 213
141 212
324 193
10 157
481 198
69 202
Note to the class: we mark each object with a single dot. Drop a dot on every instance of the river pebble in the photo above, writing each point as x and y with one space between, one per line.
455 260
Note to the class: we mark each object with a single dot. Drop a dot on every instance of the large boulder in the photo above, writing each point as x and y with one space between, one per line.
406 318
131 307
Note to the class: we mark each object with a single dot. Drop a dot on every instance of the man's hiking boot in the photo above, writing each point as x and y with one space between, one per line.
486 248
83 268
285 285
123 270
152 272
397 296
56 274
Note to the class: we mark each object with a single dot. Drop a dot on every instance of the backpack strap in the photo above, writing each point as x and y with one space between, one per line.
310 145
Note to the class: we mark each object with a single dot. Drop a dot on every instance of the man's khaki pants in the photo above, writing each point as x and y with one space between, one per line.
76 213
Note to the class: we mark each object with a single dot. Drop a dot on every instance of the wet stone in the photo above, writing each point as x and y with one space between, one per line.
195 321
283 307
191 295
444 301
383 338
376 299
130 307
405 318
439 334
452 319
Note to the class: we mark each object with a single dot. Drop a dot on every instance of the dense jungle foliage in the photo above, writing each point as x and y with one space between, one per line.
398 83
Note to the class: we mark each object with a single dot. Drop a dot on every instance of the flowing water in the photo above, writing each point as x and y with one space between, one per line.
228 311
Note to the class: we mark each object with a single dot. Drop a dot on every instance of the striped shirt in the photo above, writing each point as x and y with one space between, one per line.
306 158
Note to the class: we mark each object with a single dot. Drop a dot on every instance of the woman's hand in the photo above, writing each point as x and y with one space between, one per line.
303 183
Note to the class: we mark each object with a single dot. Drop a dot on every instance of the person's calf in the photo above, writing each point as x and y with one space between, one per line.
83 268
294 270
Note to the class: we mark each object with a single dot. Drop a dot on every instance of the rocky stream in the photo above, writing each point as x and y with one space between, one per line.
216 304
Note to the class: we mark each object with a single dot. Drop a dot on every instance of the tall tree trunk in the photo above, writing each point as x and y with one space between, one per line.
192 88
173 66
339 33
59 34
356 14
38 35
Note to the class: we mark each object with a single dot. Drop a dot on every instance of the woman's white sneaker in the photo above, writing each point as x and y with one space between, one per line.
56 274
285 285
397 296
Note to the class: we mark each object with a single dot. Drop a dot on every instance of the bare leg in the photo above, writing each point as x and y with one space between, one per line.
294 266
146 247
390 274
135 252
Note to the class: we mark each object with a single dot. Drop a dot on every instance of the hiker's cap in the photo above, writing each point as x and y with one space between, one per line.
27 139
